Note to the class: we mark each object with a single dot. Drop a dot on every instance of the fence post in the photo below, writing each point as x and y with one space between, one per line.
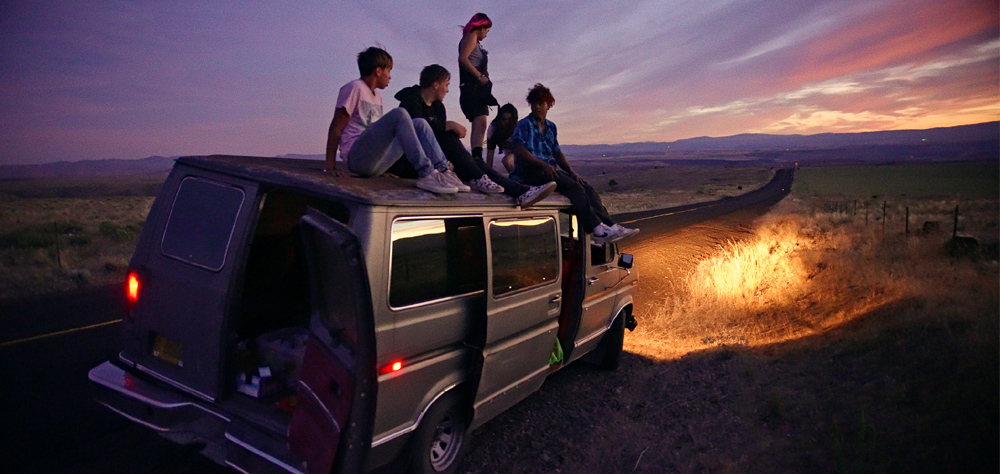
907 221
55 228
883 217
954 229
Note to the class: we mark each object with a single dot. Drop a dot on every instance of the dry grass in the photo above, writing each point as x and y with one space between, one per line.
803 271
96 237
811 342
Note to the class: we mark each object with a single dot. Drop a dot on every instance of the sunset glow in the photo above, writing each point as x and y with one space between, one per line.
98 80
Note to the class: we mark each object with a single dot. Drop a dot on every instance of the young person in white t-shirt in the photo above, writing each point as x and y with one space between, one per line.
371 142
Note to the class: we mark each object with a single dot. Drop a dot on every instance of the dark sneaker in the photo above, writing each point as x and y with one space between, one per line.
435 182
535 194
486 185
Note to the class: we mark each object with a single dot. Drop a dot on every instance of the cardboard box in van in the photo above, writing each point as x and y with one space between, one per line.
295 322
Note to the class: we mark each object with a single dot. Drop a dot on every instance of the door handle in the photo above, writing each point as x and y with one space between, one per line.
555 299
591 280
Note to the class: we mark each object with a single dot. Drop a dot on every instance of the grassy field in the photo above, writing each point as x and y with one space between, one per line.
964 180
64 234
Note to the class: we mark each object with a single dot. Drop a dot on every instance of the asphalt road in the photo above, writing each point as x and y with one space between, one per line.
49 422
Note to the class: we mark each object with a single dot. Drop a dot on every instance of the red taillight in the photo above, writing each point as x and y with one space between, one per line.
133 288
393 367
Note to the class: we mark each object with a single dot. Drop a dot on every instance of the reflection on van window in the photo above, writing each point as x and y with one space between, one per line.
524 253
201 222
436 258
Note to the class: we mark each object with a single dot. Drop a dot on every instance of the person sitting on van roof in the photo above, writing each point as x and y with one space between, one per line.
371 142
498 136
539 159
424 101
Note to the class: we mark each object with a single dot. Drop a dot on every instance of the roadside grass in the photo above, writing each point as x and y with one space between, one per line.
836 346
805 270
813 343
57 244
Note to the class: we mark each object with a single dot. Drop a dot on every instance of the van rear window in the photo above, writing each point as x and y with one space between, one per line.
525 254
201 222
436 258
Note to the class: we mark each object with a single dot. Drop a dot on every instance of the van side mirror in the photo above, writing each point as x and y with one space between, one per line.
625 261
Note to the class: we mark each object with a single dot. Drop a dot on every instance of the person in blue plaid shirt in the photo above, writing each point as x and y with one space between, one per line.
539 160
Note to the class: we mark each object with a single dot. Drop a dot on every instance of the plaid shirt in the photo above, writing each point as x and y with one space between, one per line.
542 144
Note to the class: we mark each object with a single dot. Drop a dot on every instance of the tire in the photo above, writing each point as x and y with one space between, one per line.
439 443
612 344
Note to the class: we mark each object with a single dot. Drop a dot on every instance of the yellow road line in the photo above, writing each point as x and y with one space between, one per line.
58 333
663 215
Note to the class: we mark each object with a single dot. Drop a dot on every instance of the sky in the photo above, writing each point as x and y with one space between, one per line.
123 79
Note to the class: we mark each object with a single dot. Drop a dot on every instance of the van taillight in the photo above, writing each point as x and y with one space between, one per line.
132 293
132 290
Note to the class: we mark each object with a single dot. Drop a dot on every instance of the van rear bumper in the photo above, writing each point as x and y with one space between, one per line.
184 420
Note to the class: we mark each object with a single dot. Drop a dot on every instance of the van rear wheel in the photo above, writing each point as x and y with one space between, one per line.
440 442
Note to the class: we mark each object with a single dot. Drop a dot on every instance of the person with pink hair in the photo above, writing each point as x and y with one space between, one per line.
475 87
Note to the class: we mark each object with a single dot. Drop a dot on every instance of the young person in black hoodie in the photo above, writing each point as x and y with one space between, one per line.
424 101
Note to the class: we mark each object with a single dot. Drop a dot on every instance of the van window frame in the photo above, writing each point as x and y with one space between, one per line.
388 283
558 261
232 230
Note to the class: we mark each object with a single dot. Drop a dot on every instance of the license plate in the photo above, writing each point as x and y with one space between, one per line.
167 350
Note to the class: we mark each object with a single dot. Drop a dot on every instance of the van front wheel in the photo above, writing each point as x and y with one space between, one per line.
439 443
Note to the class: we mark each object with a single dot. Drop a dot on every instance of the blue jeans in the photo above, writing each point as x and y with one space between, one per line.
391 136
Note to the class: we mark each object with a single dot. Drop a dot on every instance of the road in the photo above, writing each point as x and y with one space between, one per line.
49 422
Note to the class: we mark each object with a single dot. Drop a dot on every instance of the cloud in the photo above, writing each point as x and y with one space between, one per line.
110 80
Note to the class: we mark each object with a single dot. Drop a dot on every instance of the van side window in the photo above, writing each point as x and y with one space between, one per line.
436 258
201 222
601 254
525 253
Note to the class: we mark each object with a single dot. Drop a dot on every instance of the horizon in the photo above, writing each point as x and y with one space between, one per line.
302 155
88 80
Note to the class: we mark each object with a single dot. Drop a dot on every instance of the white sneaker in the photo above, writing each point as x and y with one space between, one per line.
626 232
486 185
435 182
535 194
604 234
453 180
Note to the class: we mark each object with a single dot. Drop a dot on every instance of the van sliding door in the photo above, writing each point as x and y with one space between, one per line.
331 429
522 311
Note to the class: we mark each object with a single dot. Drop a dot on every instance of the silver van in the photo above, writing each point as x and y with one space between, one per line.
297 323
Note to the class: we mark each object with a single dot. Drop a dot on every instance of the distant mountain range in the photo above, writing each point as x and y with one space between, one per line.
989 131
966 142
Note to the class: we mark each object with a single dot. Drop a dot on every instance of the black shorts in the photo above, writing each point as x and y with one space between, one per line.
475 99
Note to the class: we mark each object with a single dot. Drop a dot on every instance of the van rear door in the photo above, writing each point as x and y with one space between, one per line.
331 428
185 266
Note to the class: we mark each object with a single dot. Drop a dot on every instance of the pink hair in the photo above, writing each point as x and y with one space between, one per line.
479 20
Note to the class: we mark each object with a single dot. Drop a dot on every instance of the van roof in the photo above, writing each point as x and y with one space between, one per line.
308 175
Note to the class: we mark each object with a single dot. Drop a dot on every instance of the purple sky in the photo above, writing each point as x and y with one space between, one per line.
101 79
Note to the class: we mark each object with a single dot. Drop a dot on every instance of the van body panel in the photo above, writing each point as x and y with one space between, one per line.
405 395
514 369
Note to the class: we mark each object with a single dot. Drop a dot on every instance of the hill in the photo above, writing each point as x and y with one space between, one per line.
979 142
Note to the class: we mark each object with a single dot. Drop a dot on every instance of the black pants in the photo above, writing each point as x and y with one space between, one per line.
469 169
586 202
